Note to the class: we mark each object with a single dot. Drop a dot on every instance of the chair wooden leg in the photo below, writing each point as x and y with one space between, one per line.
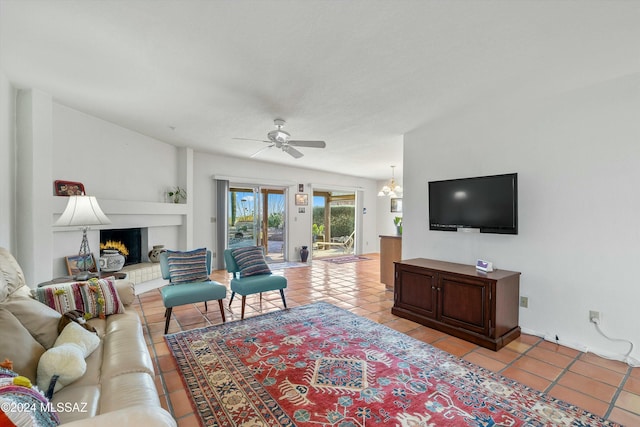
167 314
205 306
283 300
260 298
233 294
221 310
244 300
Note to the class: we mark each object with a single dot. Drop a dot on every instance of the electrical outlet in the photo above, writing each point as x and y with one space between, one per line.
524 302
594 316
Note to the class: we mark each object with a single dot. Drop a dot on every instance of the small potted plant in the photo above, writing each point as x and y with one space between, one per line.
317 230
177 194
398 223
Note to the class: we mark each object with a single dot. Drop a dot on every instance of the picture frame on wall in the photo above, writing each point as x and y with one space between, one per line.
302 199
68 188
74 264
396 204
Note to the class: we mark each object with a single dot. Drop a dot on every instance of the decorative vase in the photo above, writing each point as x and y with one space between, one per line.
304 254
154 254
399 230
111 260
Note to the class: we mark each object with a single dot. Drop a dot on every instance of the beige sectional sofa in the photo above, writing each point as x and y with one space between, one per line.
117 388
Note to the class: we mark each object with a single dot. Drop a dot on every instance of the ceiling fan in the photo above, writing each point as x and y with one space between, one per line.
280 139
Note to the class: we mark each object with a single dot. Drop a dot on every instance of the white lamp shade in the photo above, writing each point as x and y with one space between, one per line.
82 211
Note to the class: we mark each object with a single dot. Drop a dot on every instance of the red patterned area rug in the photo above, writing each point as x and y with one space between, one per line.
319 365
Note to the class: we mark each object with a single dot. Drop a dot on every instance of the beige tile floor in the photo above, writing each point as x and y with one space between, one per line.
607 388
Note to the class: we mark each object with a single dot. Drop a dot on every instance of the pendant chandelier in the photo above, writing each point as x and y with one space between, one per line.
391 189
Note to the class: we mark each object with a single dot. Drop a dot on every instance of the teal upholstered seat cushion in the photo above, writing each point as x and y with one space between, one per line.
190 293
255 284
250 261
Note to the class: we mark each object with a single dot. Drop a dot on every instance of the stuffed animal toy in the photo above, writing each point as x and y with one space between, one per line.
74 316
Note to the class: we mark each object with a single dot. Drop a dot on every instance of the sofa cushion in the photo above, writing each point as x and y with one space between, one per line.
188 267
126 291
95 297
131 389
87 396
4 289
11 273
17 345
250 261
124 347
40 320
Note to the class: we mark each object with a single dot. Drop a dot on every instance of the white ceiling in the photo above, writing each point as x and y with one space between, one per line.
357 74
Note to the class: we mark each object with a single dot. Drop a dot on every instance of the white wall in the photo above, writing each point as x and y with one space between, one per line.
299 224
129 173
112 162
386 225
7 164
577 156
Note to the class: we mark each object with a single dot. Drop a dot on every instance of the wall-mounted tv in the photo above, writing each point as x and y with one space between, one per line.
487 203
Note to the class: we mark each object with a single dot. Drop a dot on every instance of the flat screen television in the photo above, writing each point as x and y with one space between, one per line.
487 203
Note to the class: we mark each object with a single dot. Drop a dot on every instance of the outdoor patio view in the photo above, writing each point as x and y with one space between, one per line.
333 227
251 213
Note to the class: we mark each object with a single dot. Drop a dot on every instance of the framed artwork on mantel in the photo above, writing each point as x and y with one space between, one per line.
68 188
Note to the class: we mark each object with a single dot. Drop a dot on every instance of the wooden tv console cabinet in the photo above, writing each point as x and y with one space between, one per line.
459 300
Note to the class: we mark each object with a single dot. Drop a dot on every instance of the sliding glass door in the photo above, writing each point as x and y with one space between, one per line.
244 217
274 221
257 217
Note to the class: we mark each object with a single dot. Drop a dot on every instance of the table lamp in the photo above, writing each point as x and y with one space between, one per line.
82 211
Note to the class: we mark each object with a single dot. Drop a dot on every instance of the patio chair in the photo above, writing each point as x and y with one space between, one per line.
251 275
182 289
343 242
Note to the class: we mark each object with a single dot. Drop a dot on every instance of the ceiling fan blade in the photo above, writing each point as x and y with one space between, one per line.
312 144
261 150
251 139
292 151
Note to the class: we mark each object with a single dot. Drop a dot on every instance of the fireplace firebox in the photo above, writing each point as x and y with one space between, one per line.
128 241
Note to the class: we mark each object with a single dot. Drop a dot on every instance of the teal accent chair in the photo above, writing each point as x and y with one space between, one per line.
174 295
253 284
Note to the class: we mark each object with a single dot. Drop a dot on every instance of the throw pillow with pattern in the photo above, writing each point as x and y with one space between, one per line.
250 261
188 267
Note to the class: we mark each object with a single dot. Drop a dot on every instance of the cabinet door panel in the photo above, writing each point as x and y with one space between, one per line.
465 303
417 292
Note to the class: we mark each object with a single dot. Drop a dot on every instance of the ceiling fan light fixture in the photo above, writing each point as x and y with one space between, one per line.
279 135
282 139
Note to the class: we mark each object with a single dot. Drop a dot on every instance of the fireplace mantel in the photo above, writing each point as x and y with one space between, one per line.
131 213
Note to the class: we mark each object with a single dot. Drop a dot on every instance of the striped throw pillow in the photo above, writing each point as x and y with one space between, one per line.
250 261
188 267
95 297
